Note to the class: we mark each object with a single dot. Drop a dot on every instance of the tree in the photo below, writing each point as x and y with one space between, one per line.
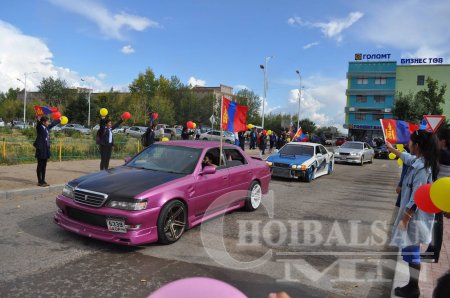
308 126
55 92
10 107
432 97
143 89
405 109
77 109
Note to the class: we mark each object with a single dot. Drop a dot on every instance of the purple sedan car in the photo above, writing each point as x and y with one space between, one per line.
163 191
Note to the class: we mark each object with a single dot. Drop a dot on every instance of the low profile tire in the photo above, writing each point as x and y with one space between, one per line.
362 161
254 197
205 139
310 174
371 159
172 222
330 167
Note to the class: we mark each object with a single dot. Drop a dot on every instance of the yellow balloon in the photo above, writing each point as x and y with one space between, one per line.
288 139
195 125
64 120
439 194
250 126
165 139
103 112
400 147
392 156
399 162
269 132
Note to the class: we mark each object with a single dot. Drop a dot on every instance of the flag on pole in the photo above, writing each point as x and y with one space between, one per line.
397 131
41 111
300 136
234 116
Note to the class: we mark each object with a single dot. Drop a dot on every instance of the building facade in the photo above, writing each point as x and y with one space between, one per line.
370 97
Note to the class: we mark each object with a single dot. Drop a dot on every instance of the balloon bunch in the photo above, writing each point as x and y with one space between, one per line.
191 125
56 115
433 198
392 156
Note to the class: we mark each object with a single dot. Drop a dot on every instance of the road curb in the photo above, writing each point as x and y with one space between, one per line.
26 192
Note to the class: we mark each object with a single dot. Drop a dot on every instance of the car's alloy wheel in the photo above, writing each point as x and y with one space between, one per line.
362 161
172 222
371 159
254 197
310 174
330 167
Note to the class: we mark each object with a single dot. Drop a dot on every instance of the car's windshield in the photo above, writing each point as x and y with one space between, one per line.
350 145
297 150
167 158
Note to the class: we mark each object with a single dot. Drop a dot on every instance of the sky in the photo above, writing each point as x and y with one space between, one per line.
104 44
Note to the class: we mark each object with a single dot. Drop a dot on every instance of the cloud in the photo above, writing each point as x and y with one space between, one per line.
310 45
195 82
410 26
128 49
111 25
20 53
331 29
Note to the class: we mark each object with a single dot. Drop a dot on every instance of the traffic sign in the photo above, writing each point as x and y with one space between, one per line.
434 121
212 119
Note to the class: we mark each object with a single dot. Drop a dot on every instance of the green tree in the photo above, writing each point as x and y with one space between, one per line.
10 107
308 126
406 108
55 92
432 97
77 109
143 89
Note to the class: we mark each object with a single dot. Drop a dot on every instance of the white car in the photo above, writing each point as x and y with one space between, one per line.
301 160
355 152
76 127
135 131
214 135
2 123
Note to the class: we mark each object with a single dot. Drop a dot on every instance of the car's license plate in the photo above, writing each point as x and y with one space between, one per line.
116 225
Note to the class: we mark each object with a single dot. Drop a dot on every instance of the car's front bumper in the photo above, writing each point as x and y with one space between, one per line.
287 173
91 222
347 158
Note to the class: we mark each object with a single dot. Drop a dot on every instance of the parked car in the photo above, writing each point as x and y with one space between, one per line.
2 123
303 161
214 135
381 151
163 191
168 133
117 130
339 141
354 152
135 131
76 127
19 124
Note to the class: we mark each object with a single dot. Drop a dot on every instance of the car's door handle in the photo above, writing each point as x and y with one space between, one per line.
225 178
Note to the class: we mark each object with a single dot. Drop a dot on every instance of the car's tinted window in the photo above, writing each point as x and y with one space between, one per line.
167 158
351 145
216 133
323 150
234 158
297 150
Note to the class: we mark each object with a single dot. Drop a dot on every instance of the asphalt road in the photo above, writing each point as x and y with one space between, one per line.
38 259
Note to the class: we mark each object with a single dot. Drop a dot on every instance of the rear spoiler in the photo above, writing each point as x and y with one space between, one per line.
257 158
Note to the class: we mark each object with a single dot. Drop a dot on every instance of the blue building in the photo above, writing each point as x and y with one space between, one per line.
370 97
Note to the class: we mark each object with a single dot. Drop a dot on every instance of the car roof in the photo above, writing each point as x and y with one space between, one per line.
197 144
355 142
303 143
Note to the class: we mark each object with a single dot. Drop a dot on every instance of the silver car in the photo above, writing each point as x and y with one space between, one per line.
214 135
76 127
354 152
135 131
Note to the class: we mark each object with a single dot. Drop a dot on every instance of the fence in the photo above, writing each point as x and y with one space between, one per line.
17 151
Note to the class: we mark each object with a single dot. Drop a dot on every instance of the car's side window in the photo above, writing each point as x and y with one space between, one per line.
323 150
317 150
234 158
213 155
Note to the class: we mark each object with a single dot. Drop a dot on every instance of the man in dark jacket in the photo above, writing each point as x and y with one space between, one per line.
42 145
106 140
241 136
149 135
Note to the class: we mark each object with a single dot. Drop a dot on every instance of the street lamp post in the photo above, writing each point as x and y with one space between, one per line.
89 104
299 99
25 95
264 69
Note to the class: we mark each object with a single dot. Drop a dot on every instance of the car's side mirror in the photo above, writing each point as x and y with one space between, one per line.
319 154
208 170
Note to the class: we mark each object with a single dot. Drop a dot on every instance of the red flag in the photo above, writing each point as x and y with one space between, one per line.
39 111
234 116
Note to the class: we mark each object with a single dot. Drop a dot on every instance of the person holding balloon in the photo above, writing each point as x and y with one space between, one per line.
42 145
434 249
413 226
106 140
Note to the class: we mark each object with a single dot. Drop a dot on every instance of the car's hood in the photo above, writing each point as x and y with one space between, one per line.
288 159
124 181
348 150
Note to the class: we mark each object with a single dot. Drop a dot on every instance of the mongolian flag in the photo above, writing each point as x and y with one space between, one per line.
234 116
397 131
41 111
300 136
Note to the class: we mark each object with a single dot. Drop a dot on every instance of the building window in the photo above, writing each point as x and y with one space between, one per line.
362 81
420 80
380 98
361 98
377 116
380 81
360 116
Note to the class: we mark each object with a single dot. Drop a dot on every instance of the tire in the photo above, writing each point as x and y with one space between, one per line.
172 222
330 167
362 161
205 139
371 159
228 141
254 197
310 174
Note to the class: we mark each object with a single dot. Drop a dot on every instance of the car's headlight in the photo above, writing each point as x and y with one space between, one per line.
68 191
336 153
128 205
269 163
294 166
355 154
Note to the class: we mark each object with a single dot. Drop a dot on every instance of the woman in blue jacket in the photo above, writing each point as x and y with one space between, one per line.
413 226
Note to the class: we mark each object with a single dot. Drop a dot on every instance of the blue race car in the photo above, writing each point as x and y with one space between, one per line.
303 161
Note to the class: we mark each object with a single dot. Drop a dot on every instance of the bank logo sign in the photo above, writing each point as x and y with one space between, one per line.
360 56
